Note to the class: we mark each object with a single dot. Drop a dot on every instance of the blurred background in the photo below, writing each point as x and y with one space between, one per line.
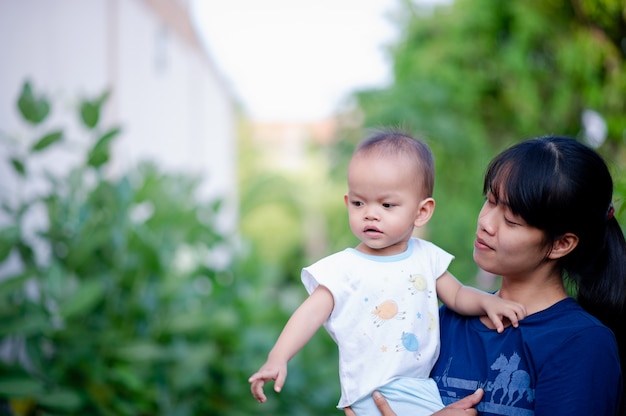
167 167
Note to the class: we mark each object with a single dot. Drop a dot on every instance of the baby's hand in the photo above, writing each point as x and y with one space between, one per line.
269 371
498 309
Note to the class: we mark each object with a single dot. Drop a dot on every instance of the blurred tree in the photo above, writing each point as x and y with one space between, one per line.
278 218
475 76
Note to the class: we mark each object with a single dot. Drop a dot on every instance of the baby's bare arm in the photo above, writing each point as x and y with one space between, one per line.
302 325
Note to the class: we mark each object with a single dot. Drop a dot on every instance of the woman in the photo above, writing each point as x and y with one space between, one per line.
548 228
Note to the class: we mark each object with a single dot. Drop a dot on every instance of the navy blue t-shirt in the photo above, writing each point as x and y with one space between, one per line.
560 361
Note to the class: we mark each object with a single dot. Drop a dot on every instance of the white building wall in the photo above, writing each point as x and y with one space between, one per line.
172 105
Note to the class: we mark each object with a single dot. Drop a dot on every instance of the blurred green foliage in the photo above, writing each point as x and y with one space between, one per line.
475 76
113 297
282 218
110 301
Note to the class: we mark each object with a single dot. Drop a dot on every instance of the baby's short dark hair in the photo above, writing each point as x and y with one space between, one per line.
394 142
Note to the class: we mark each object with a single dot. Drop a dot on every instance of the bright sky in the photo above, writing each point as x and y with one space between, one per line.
297 60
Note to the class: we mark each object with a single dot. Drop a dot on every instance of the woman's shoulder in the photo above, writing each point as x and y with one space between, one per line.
565 330
566 326
567 315
562 323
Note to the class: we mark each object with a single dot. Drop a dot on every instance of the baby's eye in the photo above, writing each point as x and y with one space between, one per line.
387 205
357 203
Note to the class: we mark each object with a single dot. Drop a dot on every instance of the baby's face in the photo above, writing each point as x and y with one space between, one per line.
383 200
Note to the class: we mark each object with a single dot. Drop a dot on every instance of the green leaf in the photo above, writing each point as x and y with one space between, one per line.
11 284
129 379
20 387
90 110
18 166
65 400
26 253
106 138
33 109
47 140
26 325
187 323
83 300
100 153
89 113
9 236
141 351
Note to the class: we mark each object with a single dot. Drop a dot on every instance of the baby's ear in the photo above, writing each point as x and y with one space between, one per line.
424 212
563 246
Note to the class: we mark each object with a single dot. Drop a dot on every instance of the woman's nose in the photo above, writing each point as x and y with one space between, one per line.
486 221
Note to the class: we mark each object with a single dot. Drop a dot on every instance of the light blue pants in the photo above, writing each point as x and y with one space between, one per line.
406 396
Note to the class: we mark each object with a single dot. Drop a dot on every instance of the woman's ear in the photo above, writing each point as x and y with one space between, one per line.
563 246
424 212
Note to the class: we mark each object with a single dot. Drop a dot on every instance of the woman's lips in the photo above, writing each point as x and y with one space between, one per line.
480 244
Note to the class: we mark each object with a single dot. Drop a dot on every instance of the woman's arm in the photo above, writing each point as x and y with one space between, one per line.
302 325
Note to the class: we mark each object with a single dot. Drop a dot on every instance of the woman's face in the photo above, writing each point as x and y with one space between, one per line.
505 245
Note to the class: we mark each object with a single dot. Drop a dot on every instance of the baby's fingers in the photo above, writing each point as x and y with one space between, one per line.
257 390
512 316
280 381
519 310
516 314
497 321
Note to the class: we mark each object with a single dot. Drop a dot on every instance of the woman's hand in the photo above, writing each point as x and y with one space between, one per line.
462 407
381 403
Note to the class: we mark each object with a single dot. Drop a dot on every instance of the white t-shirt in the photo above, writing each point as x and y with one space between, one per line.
385 320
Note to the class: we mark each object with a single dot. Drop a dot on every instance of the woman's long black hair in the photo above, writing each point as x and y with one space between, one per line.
560 185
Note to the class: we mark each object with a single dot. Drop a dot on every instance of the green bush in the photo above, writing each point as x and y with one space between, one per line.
113 306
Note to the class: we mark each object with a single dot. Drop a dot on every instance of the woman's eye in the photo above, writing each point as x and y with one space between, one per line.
511 222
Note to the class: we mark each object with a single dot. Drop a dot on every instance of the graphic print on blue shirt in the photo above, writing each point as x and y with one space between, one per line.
507 391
